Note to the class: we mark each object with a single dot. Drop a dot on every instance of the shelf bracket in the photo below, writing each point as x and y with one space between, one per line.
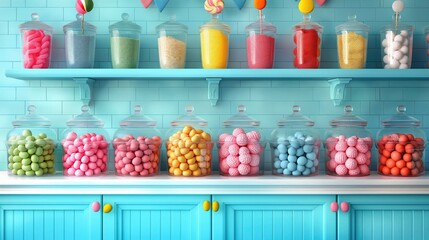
86 86
213 90
337 89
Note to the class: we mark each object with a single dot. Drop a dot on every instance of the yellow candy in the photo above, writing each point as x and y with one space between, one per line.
175 163
191 161
187 173
214 48
351 50
193 167
177 172
306 6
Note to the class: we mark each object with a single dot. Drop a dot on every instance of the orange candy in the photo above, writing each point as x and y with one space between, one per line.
407 157
401 164
390 163
405 172
385 171
396 156
260 4
409 148
395 171
399 148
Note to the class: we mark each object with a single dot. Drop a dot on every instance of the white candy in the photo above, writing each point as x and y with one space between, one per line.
394 64
403 66
397 55
404 33
396 45
384 43
398 38
404 59
404 49
406 42
389 36
386 59
387 51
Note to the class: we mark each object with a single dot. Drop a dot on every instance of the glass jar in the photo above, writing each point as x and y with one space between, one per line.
79 39
137 146
348 146
125 43
36 42
260 44
172 37
427 42
397 44
85 145
241 146
31 145
352 40
307 37
295 146
214 44
401 145
189 146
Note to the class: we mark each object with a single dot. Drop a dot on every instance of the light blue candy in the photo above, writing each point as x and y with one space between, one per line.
301 141
311 156
308 148
282 148
291 158
281 140
309 140
277 164
300 168
313 170
287 172
276 152
291 151
279 171
301 161
299 134
299 152
294 143
291 166
309 164
276 159
306 172
283 156
284 164
296 173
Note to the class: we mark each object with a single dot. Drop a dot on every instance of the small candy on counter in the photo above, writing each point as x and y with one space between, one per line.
189 152
401 155
348 156
85 155
137 156
296 155
351 50
31 154
307 51
36 49
240 153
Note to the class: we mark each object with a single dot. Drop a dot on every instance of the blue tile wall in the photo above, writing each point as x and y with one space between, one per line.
266 100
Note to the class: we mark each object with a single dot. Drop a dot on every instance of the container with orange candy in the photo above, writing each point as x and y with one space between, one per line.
401 145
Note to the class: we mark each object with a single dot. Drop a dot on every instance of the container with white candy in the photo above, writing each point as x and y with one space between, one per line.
397 41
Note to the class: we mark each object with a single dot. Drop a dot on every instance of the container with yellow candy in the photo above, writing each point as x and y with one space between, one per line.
189 146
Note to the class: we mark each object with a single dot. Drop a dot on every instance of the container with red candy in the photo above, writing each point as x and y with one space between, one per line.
36 43
137 146
85 144
401 145
307 37
348 146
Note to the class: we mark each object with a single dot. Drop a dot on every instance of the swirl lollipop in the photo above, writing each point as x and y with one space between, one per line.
214 7
83 7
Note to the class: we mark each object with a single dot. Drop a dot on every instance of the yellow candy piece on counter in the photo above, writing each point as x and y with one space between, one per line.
306 6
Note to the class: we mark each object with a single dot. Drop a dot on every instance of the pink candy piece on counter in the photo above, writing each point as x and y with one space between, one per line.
137 156
239 153
36 49
85 155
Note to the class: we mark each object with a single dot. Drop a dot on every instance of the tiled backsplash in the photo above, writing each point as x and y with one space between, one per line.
266 100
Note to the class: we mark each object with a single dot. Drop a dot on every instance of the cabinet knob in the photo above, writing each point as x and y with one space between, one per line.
206 205
107 208
344 206
215 206
334 206
95 206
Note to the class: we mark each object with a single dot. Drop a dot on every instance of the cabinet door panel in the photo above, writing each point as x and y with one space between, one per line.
157 217
376 217
274 217
49 217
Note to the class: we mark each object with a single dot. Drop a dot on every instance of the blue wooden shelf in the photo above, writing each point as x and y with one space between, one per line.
337 78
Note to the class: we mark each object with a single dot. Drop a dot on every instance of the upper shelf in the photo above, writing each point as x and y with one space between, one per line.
337 78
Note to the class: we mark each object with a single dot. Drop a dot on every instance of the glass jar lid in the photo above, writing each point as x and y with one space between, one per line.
399 26
137 119
85 119
189 118
401 119
77 25
214 23
348 119
31 119
35 23
172 25
241 119
308 24
125 25
352 25
261 26
295 119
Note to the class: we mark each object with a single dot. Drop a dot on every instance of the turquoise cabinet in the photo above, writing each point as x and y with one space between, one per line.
157 217
274 217
49 217
404 217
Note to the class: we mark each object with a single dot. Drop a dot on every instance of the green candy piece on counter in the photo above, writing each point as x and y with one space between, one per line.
26 161
29 173
39 172
27 133
20 172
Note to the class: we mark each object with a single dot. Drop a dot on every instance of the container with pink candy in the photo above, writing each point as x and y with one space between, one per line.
85 146
36 43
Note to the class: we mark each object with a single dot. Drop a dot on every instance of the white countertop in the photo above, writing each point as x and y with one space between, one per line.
214 184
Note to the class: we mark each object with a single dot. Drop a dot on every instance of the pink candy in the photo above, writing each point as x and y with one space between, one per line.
239 153
36 49
85 155
348 156
137 156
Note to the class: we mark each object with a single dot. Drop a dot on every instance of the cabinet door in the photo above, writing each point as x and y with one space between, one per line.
384 217
49 217
157 217
274 217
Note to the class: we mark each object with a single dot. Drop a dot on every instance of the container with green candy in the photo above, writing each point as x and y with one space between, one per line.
31 145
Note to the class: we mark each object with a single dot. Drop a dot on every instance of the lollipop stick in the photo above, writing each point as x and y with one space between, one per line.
260 21
396 21
82 24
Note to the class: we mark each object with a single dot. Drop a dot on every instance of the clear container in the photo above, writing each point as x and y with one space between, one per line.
352 40
401 146
307 37
79 43
241 146
295 146
348 145
397 45
427 42
85 145
31 145
172 37
261 38
137 146
214 44
189 146
125 43
36 42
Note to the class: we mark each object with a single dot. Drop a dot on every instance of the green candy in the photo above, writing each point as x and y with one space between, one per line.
42 135
40 142
21 148
40 172
26 161
29 173
50 164
17 159
30 138
51 170
45 170
31 151
29 145
23 155
35 158
10 159
48 157
26 167
17 166
20 172
10 165
43 165
35 166
27 133
14 171
39 151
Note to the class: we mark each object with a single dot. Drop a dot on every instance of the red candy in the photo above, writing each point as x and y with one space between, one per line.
36 49
307 51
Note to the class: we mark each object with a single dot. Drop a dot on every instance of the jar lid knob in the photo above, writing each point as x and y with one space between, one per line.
352 17
241 108
35 17
84 108
189 109
296 109
31 109
401 109
348 109
125 16
137 109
